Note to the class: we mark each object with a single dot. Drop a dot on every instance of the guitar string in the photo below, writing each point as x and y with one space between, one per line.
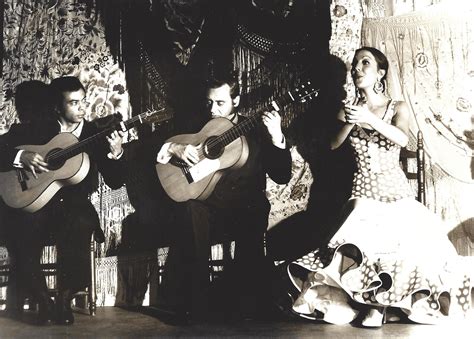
83 143
234 132
231 134
227 137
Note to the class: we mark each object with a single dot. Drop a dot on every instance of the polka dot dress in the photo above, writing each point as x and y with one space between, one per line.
382 254
379 175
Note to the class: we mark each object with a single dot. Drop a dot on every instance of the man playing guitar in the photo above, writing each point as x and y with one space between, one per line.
237 205
69 215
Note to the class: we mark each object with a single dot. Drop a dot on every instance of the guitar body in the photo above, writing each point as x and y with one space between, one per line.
179 186
39 191
223 146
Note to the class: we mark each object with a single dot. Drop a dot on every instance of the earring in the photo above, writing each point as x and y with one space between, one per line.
378 87
357 93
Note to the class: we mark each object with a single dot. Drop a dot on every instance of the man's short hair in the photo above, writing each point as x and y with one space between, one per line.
64 84
226 78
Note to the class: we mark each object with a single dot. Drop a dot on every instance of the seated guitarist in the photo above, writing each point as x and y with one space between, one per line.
237 206
32 103
69 215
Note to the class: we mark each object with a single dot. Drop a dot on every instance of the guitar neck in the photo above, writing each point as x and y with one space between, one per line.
247 125
86 144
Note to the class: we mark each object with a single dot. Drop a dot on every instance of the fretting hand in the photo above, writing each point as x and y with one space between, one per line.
272 122
115 143
34 162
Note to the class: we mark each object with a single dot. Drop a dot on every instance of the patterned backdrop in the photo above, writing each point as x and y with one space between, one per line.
47 39
432 59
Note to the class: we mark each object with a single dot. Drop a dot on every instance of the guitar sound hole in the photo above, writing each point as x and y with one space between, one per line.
54 163
213 149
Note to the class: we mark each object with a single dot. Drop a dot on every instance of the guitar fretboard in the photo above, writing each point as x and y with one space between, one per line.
83 145
247 125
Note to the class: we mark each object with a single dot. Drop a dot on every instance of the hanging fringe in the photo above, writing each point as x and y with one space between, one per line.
125 280
263 79
3 279
106 284
428 52
50 256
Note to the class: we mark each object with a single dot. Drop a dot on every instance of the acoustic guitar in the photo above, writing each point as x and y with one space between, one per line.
223 147
68 164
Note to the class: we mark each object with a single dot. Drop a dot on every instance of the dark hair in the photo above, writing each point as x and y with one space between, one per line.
64 84
380 58
226 78
32 101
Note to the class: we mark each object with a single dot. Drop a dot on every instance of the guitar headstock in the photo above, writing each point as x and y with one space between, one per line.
154 116
305 91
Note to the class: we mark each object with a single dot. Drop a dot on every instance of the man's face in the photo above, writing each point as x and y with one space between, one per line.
220 103
72 109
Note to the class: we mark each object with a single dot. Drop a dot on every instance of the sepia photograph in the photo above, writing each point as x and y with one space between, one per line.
237 168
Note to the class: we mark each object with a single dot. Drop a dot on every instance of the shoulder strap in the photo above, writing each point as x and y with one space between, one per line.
390 111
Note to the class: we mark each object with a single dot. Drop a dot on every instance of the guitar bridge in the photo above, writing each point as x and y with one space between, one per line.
199 171
184 168
187 174
22 178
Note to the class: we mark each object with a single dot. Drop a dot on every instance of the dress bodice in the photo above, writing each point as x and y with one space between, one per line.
379 175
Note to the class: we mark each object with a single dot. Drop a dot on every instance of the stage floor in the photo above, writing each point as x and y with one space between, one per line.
144 322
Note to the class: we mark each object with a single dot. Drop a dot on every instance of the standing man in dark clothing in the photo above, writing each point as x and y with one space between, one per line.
238 206
69 215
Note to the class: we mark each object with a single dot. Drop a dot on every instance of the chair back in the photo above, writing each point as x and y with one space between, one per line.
419 173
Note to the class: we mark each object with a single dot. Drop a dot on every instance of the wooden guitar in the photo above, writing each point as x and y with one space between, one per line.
68 164
223 146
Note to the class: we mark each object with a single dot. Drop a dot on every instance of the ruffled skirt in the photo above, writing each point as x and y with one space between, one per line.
385 254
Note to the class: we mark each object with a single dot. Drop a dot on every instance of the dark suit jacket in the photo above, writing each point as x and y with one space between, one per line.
74 198
245 187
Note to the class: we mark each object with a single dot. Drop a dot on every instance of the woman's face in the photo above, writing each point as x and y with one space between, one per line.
365 70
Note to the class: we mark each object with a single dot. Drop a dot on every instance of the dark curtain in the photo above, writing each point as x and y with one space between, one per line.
168 47
186 40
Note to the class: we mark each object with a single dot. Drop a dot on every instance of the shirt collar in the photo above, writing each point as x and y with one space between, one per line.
76 132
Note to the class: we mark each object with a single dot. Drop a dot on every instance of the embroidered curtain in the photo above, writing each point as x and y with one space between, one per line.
384 8
47 39
432 68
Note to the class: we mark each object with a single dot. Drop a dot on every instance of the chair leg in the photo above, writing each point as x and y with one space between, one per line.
226 248
91 290
15 299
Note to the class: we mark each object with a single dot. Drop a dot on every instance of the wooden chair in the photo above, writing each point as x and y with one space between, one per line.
142 186
50 271
419 173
